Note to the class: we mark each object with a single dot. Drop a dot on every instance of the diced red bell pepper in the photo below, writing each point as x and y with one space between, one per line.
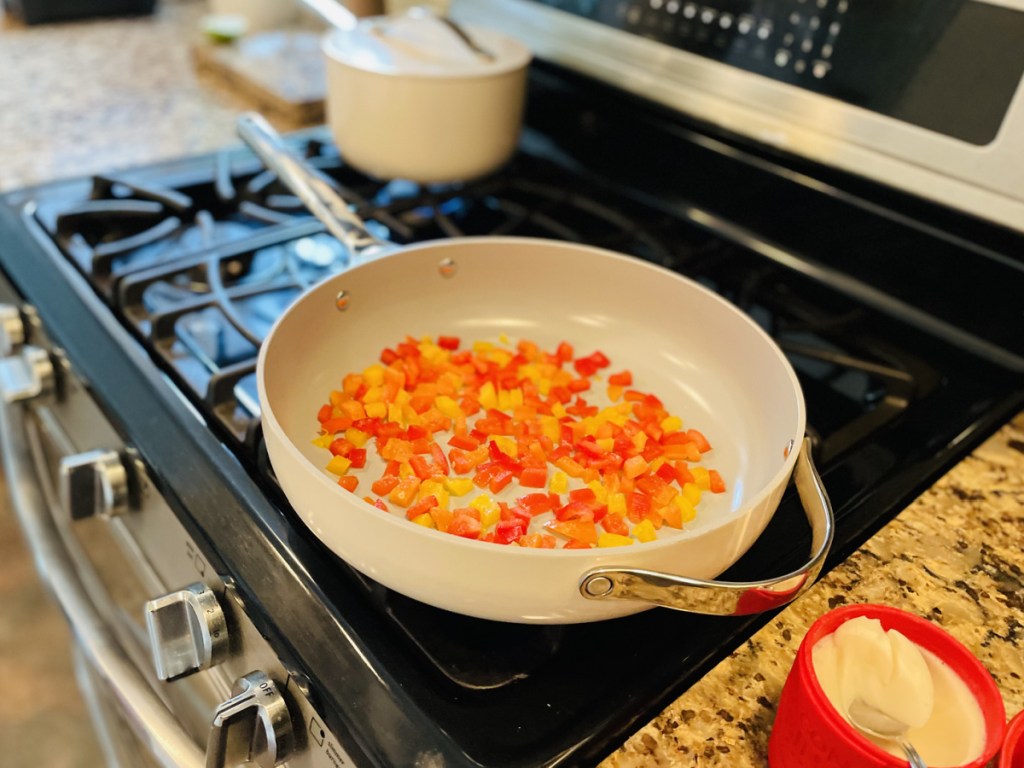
717 483
439 458
533 477
465 526
423 505
623 379
337 424
384 485
464 442
582 494
699 440
615 523
637 506
508 531
535 503
501 477
340 447
403 493
580 530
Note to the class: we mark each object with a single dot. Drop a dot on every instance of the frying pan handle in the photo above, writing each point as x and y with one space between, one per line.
728 598
314 189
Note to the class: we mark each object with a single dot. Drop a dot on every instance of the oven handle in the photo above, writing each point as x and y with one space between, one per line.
21 381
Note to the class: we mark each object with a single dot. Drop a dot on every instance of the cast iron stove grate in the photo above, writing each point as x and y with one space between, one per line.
201 267
890 404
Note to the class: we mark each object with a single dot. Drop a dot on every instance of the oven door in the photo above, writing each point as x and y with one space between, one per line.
173 670
110 643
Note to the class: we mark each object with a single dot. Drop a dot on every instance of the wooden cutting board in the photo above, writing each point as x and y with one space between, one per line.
280 71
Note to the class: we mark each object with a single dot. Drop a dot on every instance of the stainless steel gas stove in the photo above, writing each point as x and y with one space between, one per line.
873 228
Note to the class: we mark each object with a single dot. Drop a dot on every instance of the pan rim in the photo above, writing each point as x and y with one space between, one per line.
750 504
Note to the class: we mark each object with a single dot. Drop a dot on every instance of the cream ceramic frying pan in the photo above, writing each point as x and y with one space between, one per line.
704 358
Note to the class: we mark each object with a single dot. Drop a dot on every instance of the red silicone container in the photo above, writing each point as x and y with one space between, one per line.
1012 755
808 731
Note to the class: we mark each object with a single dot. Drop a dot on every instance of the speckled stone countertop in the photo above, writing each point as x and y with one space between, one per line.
98 95
95 96
954 556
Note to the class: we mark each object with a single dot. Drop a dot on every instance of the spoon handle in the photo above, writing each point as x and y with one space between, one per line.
912 755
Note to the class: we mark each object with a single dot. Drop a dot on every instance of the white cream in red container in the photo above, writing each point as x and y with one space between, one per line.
906 682
910 668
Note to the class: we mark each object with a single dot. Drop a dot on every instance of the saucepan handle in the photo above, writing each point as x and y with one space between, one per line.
725 598
315 190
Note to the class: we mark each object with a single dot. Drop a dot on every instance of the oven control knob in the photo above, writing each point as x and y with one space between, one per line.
254 725
94 483
187 631
12 329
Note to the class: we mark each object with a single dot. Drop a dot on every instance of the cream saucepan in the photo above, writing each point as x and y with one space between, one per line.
705 359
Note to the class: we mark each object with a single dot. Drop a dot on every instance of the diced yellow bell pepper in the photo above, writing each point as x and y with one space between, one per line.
504 400
448 406
559 483
692 491
374 375
688 511
644 531
613 540
426 520
458 486
323 441
373 395
488 396
357 437
550 428
506 444
377 410
436 489
671 424
338 465
701 477
395 413
599 491
616 503
490 512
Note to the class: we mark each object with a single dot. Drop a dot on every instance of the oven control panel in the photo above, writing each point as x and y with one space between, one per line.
175 618
951 66
924 97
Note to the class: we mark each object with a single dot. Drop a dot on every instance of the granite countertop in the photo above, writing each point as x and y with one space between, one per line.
91 96
954 556
94 96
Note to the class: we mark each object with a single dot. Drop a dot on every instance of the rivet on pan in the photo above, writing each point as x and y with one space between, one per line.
341 301
788 449
447 267
598 586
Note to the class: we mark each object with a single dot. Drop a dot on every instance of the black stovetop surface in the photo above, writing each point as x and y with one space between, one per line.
901 319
